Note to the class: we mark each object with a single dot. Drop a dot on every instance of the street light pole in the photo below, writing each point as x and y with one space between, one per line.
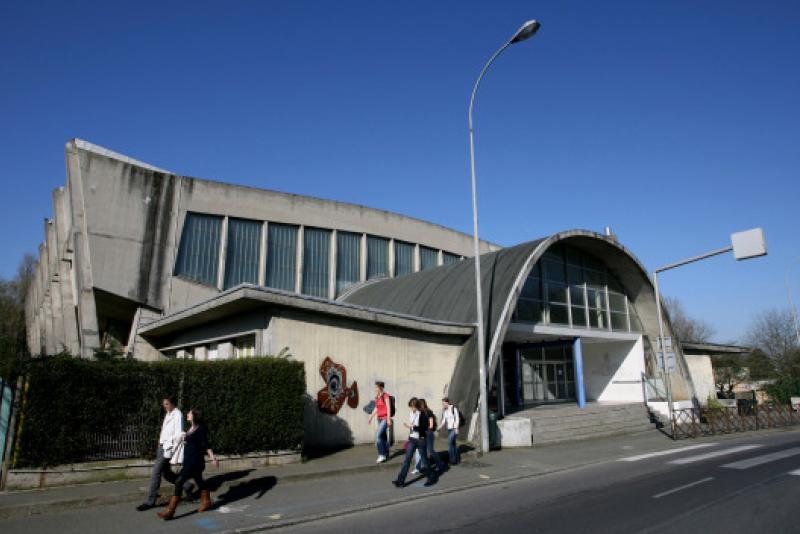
745 245
527 30
791 304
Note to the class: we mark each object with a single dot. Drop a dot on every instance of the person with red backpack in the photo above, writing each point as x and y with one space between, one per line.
384 410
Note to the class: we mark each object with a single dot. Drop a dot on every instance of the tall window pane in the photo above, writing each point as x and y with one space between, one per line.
428 258
316 258
403 258
241 258
448 258
281 256
198 253
348 260
377 257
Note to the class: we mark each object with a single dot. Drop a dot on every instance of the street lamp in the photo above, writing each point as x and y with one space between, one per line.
791 304
526 31
745 245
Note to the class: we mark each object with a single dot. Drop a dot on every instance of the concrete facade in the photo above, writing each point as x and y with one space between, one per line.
108 259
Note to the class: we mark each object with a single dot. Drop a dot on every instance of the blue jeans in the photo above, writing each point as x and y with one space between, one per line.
452 448
413 445
430 437
381 439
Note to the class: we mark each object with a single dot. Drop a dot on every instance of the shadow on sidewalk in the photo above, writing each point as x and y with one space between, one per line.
249 488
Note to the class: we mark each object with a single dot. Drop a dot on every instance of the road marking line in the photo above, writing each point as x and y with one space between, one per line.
763 459
795 472
700 458
664 452
680 488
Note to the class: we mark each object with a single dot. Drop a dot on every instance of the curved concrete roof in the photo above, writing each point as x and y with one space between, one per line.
447 293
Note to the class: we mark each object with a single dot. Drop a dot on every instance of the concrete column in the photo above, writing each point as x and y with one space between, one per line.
262 255
298 277
332 267
223 249
417 259
87 309
225 350
440 258
363 275
55 286
577 355
64 267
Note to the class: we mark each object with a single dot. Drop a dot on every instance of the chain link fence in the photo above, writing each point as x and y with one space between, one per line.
696 422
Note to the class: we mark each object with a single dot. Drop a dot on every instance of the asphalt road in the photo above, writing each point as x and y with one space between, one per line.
647 483
750 485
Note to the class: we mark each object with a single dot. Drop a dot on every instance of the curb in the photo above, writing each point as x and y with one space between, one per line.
38 508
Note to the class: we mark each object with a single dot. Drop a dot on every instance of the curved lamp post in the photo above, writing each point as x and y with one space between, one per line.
527 30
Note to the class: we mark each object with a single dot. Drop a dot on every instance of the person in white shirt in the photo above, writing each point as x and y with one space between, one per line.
452 419
168 439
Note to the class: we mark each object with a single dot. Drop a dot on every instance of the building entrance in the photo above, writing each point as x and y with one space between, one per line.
547 374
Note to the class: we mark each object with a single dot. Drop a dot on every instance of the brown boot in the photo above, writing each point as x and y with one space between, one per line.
205 501
170 511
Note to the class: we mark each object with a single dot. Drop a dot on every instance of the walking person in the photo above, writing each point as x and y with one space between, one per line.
429 437
168 439
195 448
417 423
452 420
382 412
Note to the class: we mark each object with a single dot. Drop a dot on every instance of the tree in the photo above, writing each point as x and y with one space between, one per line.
772 332
687 328
13 342
729 372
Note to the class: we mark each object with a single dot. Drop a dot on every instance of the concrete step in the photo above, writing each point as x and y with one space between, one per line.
561 423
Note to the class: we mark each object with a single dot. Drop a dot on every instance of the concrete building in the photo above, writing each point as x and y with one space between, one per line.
171 266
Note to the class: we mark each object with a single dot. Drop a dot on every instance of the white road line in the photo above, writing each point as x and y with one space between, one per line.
795 472
763 459
700 458
664 452
680 488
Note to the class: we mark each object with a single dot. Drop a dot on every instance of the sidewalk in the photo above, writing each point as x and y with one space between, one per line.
340 483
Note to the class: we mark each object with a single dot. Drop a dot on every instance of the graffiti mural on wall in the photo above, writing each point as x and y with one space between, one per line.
335 393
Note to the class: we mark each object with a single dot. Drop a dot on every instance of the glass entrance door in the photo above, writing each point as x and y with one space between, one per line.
548 374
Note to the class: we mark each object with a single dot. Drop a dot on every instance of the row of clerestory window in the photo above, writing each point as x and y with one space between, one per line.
201 247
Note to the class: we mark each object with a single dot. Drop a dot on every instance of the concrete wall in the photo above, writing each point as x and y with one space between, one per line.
116 230
702 374
411 364
612 372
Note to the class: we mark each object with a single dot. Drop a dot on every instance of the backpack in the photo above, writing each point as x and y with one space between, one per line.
391 404
461 420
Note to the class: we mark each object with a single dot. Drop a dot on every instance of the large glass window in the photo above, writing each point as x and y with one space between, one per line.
241 257
403 258
348 260
316 258
198 252
377 257
428 258
281 256
568 286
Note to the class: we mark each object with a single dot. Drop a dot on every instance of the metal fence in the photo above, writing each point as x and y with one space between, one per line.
696 422
130 441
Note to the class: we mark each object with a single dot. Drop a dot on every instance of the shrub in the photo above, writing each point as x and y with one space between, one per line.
250 405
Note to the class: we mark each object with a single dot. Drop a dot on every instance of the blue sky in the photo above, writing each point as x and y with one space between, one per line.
676 123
